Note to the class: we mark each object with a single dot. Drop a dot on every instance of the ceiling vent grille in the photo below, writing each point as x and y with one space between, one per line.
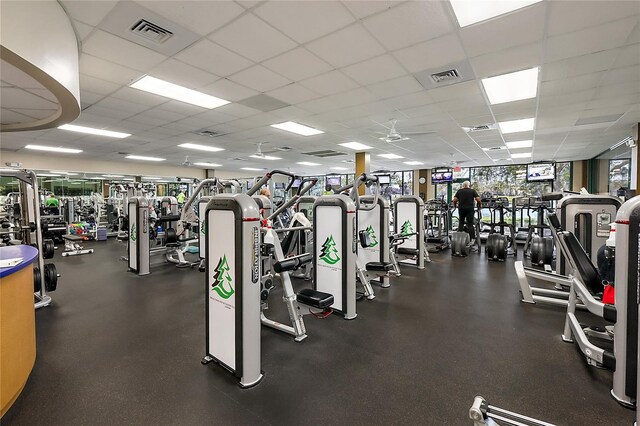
208 133
480 128
151 31
446 76
494 148
326 153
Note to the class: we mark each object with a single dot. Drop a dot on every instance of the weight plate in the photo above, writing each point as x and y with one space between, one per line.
48 249
537 250
50 277
170 236
37 279
548 250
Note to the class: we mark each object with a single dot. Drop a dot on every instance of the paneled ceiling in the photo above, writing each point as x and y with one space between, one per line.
347 68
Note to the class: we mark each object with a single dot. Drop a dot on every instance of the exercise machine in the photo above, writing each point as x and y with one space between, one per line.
484 414
437 217
408 224
460 239
501 238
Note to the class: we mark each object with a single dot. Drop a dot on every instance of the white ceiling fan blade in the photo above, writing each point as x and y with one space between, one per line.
380 124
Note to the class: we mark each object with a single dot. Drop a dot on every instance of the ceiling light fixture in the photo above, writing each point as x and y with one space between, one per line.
307 163
511 87
200 147
152 178
413 163
472 11
64 173
112 176
253 169
93 131
143 158
54 149
339 168
514 126
390 156
179 93
520 144
265 157
628 139
355 145
297 128
207 164
521 155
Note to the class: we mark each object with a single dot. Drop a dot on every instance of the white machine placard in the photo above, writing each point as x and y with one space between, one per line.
329 256
133 237
407 223
369 221
221 287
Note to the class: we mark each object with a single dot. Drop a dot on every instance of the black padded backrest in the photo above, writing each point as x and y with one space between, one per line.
365 238
554 221
588 272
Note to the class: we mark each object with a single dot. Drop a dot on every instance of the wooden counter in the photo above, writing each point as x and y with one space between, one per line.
17 324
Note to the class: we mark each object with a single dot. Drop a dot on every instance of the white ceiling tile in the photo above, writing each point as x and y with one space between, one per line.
431 54
252 38
259 78
201 17
620 89
579 65
395 87
347 46
590 40
374 70
212 58
160 114
102 115
237 110
353 97
363 8
88 98
293 93
105 70
329 83
89 12
123 52
97 85
182 74
628 56
455 91
634 37
181 108
410 100
317 105
138 96
499 34
297 64
409 23
569 16
305 21
120 105
523 108
612 101
83 30
497 63
227 89
621 75
290 113
569 85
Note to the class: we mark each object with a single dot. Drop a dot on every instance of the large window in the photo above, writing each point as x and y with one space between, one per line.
619 175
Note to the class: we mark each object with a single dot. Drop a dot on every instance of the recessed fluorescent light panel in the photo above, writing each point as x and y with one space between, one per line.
143 158
519 144
53 149
390 156
200 147
339 168
413 163
511 87
92 131
472 11
265 157
307 163
112 176
514 126
207 164
179 93
355 145
297 128
64 173
152 178
253 169
521 155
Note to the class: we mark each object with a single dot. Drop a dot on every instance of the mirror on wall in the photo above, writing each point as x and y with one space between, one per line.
617 162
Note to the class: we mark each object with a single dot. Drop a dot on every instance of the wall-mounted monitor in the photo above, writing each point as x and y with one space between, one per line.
441 176
384 179
333 180
541 172
461 173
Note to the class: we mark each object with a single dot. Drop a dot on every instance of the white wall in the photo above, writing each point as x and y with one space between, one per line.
70 164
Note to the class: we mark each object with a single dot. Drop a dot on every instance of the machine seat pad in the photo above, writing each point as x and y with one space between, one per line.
172 245
73 237
315 299
168 218
586 269
554 221
552 196
412 252
292 263
379 266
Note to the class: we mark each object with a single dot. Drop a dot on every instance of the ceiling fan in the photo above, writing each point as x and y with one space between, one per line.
394 135
187 162
262 154
453 163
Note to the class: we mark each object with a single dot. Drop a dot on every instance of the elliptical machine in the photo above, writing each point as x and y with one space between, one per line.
460 239
437 220
499 244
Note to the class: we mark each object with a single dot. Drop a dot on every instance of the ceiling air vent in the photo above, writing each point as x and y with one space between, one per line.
445 76
480 128
151 31
208 133
326 153
494 148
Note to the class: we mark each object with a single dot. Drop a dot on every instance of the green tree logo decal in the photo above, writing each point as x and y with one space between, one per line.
222 279
133 233
329 252
407 228
203 227
372 235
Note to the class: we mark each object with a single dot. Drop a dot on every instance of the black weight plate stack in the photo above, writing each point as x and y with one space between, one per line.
496 247
50 277
37 279
170 236
537 250
548 250
459 241
48 249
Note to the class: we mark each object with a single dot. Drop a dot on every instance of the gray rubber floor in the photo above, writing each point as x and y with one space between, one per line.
115 348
